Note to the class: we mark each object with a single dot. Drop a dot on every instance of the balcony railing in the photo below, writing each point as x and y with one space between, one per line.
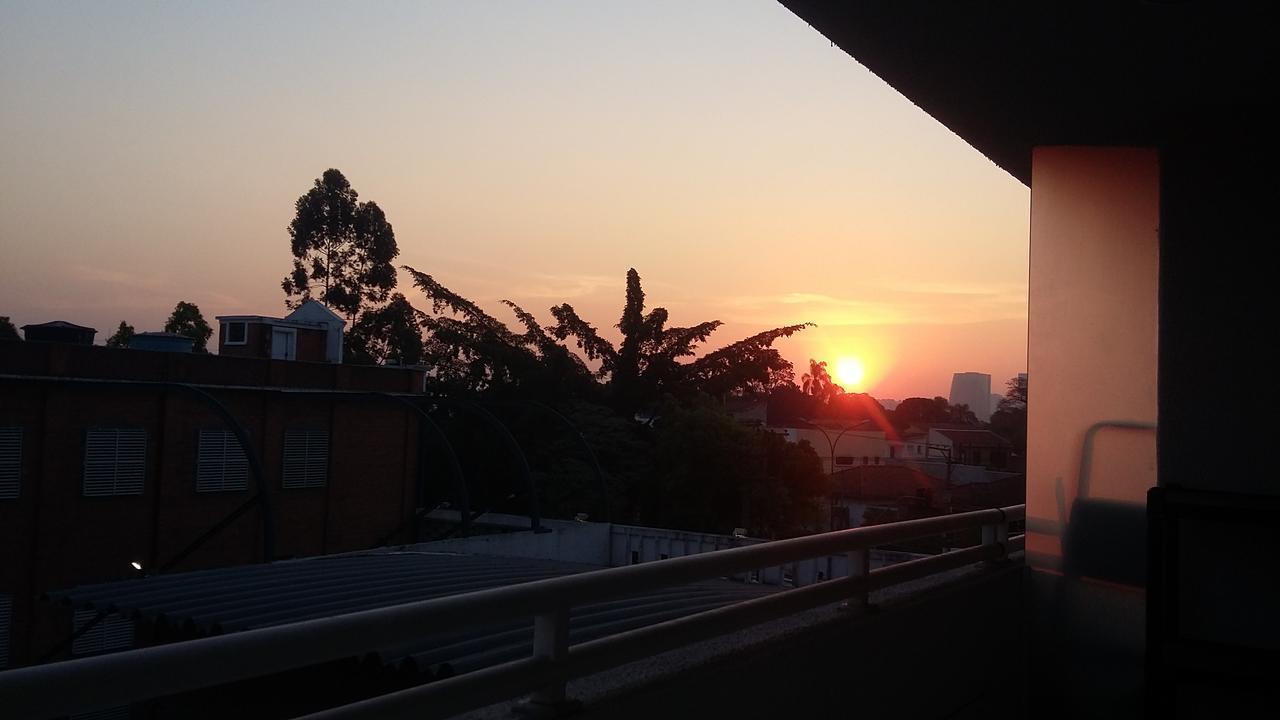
85 684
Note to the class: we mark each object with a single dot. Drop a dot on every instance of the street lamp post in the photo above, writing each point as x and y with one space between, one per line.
830 442
831 458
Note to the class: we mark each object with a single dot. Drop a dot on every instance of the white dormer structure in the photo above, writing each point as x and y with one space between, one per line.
310 333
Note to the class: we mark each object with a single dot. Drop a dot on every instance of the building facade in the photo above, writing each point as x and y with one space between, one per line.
116 462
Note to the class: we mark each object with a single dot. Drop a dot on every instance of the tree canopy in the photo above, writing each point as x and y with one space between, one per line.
7 329
646 365
342 249
386 335
187 320
122 335
936 411
818 383
471 348
1010 417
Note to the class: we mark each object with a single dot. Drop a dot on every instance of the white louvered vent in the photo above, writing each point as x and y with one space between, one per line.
6 622
221 465
306 458
10 463
110 633
115 461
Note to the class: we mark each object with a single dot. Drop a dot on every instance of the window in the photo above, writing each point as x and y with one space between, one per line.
844 460
635 557
6 618
306 458
893 452
865 460
114 461
110 633
876 460
10 462
235 333
221 465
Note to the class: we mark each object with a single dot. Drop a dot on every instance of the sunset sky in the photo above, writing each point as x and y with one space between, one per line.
751 172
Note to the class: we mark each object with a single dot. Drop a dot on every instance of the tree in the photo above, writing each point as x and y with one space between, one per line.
123 335
1010 417
187 320
647 364
473 349
818 383
389 334
922 411
712 473
342 249
7 330
1015 396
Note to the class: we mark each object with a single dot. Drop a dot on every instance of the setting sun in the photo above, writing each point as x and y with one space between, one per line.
849 372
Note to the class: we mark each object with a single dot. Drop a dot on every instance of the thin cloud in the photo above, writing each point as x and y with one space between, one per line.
910 305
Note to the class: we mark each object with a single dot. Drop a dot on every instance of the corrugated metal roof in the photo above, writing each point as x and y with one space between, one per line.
255 596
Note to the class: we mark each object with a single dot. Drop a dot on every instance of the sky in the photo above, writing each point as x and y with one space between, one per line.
746 168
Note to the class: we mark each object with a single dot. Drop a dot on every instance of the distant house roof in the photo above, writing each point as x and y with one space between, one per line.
998 492
314 312
60 325
984 438
882 482
310 314
272 321
255 596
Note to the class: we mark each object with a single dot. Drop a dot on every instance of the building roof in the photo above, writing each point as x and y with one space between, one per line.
1008 76
273 321
60 325
310 314
884 482
312 311
255 596
984 438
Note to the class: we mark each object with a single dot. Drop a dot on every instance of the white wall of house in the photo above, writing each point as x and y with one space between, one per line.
614 545
851 447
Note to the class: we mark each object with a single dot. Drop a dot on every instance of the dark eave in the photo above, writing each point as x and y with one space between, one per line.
1008 75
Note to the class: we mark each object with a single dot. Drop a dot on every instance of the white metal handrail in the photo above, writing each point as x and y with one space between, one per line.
91 683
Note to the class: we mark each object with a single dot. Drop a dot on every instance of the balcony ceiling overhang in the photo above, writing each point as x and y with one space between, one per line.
1008 75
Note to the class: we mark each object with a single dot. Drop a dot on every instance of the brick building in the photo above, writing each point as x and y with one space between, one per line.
104 465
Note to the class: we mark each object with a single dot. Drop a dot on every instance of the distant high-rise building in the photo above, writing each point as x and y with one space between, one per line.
972 389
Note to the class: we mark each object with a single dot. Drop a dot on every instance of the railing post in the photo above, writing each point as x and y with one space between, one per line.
997 534
859 562
550 642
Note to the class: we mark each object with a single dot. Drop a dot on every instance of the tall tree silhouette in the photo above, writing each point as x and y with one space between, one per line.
187 320
342 249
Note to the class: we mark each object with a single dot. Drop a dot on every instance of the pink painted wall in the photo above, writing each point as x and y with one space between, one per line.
1092 332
